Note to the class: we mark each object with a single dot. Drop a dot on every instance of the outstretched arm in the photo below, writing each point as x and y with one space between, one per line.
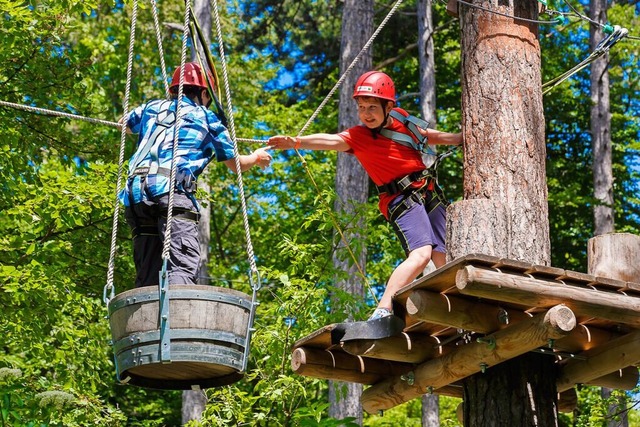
435 137
318 141
260 158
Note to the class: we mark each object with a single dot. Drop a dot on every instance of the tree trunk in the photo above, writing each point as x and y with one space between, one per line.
430 412
615 256
427 62
352 182
193 404
601 128
194 401
603 214
504 164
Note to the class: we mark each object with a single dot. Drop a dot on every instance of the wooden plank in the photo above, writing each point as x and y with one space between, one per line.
610 283
545 271
600 361
633 286
575 276
470 359
320 338
443 278
512 264
451 390
586 303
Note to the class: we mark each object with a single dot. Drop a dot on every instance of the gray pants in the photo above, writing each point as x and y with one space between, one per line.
148 222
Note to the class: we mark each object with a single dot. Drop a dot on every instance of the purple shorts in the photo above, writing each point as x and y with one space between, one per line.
416 228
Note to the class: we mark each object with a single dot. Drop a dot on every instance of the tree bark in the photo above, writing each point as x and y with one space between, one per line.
352 183
194 401
603 213
601 127
504 162
427 62
503 123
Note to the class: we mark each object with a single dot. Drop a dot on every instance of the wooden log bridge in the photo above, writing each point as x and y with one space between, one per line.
478 311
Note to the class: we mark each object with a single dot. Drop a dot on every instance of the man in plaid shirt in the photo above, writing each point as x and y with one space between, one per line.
201 137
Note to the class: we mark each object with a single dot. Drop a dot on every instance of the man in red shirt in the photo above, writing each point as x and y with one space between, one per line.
388 147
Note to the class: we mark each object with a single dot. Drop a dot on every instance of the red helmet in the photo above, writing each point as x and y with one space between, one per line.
193 76
376 84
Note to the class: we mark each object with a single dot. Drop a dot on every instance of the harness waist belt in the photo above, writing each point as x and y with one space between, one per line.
145 171
401 184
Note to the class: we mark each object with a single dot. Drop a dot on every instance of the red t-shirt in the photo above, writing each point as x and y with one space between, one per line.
383 159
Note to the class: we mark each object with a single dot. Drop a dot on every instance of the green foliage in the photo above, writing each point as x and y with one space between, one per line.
567 108
59 177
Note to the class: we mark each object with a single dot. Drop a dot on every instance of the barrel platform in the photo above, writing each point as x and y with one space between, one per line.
207 331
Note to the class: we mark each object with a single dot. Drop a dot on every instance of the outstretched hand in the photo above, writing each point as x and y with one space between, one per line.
281 142
263 158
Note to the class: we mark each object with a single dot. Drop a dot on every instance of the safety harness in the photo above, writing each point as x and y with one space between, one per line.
430 194
411 123
162 132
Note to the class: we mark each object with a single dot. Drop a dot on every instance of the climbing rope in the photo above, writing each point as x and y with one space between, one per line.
602 48
350 67
163 67
166 247
334 221
254 276
57 113
232 132
109 290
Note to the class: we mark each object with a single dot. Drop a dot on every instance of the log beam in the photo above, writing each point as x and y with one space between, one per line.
600 361
622 379
524 290
460 313
470 359
411 348
584 337
339 366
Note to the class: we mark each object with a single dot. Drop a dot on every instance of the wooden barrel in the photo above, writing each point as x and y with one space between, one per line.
208 330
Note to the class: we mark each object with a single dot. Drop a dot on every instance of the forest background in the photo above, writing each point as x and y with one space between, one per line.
58 178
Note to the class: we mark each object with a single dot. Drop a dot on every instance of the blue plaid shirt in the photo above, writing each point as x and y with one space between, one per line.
201 137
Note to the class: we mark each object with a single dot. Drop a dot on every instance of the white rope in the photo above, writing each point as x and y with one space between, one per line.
57 113
174 164
232 132
109 290
350 67
252 140
156 23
